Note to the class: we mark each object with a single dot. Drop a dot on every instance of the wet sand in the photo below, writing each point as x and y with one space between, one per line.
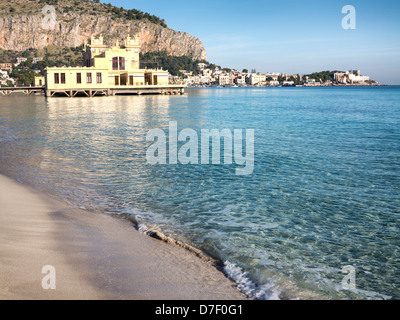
95 256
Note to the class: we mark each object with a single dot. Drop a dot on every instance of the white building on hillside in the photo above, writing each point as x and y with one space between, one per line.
202 65
223 79
357 78
257 79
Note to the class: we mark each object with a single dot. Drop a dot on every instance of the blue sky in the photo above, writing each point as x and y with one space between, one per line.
288 36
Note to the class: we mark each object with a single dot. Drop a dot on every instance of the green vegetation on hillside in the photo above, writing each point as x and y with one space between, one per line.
322 76
53 56
8 56
134 14
170 63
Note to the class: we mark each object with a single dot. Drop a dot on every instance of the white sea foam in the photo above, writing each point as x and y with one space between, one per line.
148 231
268 291
143 228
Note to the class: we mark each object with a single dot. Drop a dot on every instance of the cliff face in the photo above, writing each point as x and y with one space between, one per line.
23 31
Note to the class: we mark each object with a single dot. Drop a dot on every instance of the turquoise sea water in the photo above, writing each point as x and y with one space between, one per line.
324 194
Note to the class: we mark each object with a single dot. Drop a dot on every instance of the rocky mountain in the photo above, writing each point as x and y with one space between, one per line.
36 24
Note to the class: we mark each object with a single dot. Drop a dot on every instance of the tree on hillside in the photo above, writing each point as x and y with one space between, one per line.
171 63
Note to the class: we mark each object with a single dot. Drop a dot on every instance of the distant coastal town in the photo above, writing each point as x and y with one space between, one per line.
208 75
216 76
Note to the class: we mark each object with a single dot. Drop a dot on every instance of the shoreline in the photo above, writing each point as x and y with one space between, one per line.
95 256
292 86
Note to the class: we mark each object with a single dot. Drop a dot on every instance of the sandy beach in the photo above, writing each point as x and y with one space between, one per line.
95 256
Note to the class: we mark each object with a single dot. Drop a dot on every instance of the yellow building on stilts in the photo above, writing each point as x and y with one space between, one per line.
108 71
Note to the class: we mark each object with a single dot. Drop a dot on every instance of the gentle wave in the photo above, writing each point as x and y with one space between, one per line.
269 291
